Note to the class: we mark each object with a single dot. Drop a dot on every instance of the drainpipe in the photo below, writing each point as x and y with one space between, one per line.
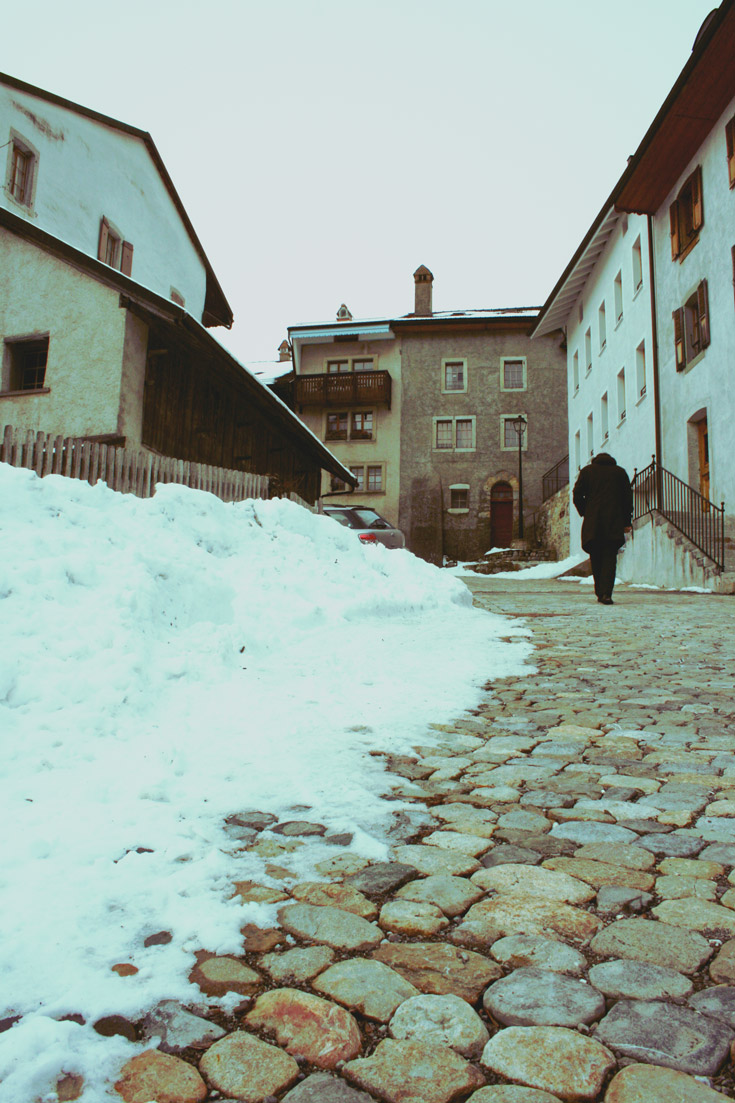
654 338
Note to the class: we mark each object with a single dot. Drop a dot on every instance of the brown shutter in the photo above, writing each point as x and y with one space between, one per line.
703 306
674 220
102 245
126 260
730 136
697 202
679 345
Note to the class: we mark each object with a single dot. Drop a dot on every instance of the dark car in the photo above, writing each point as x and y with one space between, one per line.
370 527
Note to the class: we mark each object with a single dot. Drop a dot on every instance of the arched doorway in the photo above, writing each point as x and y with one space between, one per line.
501 515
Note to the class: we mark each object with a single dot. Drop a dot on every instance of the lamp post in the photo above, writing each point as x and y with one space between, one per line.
519 423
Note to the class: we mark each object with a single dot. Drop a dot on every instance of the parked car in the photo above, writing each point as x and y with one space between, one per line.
370 527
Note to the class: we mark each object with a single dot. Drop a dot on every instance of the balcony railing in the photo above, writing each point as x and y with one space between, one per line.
701 521
555 478
355 388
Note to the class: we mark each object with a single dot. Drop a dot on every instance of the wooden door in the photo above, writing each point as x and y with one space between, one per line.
501 515
703 438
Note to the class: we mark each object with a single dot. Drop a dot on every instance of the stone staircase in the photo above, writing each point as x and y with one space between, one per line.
669 558
513 559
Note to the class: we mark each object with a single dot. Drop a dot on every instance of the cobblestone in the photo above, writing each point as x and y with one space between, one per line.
601 783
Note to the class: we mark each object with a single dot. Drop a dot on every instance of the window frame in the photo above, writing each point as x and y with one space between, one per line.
361 473
350 361
641 372
686 216
513 447
338 433
524 373
12 382
618 297
575 373
691 328
621 393
588 350
637 265
457 510
443 418
18 144
449 362
122 254
602 326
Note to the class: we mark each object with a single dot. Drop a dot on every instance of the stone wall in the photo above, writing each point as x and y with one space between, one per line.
552 523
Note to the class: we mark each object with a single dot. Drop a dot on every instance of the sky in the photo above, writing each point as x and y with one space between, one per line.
325 149
197 682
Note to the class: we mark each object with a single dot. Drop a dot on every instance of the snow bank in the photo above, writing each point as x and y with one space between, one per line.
167 663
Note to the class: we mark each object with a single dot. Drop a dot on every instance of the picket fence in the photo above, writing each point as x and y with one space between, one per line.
127 470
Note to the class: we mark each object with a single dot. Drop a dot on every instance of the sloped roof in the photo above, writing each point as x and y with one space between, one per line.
217 311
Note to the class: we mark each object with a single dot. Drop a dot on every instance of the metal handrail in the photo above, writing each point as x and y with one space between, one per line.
701 521
555 478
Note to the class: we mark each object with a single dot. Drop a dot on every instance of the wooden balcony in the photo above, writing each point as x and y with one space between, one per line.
343 389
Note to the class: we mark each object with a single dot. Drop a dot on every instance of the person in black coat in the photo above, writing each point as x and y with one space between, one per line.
603 498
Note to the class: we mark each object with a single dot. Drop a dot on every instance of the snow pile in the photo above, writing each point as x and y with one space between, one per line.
167 663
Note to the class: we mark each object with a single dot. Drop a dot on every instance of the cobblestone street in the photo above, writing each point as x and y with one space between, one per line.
561 926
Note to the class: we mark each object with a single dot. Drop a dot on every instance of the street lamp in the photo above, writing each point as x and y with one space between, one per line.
519 423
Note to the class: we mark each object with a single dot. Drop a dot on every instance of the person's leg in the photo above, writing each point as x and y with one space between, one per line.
596 558
608 566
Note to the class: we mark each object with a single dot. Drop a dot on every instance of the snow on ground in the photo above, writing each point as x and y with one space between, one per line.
527 574
167 663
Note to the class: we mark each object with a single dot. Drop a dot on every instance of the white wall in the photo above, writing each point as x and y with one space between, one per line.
710 382
87 170
632 440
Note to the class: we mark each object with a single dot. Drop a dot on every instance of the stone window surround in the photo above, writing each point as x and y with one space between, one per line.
513 359
364 467
513 448
454 419
361 358
446 361
459 509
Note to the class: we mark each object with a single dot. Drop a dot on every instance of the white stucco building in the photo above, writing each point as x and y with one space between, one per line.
603 303
647 306
100 186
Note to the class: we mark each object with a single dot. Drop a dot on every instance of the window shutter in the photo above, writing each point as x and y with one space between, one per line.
703 306
102 246
678 317
674 220
730 136
126 262
697 206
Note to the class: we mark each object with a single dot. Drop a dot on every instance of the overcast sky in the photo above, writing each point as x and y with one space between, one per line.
325 149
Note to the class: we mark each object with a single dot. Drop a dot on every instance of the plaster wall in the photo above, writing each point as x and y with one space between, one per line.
427 474
631 440
86 171
707 385
653 556
88 341
385 446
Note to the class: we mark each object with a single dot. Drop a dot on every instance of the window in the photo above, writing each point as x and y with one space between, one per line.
337 426
459 498
578 450
686 216
588 352
691 327
360 425
730 139
590 433
513 374
618 297
509 435
374 477
454 434
370 478
575 372
25 364
355 363
637 266
337 484
601 325
113 250
454 376
621 396
640 369
21 171
604 418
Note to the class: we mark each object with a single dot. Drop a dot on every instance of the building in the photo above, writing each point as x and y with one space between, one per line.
105 299
647 306
421 409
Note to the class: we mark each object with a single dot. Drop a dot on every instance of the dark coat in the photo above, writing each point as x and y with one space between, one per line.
602 496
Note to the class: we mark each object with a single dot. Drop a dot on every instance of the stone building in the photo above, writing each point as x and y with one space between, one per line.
421 408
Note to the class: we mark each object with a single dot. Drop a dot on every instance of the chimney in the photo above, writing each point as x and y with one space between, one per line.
284 352
423 280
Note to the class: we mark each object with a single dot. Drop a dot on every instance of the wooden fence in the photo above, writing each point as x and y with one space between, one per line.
129 471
